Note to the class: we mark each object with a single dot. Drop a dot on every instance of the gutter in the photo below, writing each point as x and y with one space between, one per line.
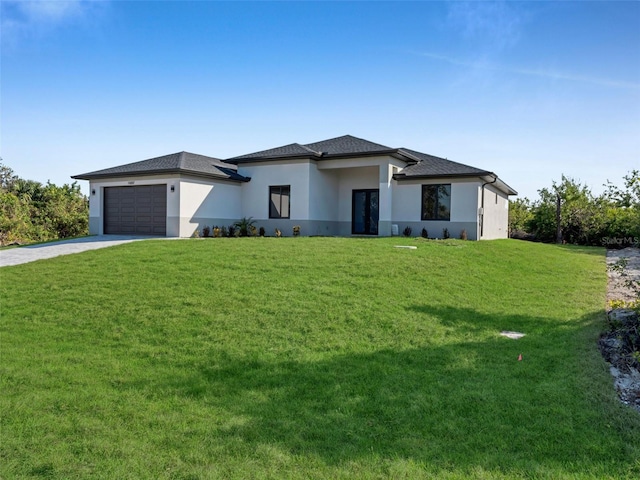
495 179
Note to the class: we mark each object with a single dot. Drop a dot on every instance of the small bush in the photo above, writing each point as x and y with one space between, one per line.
631 304
231 231
262 232
244 226
445 233
278 233
296 231
224 232
407 231
424 233
216 232
206 231
463 234
195 234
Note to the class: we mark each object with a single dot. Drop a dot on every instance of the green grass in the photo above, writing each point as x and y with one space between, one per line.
310 358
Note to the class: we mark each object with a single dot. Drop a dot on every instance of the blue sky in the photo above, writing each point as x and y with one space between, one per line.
530 91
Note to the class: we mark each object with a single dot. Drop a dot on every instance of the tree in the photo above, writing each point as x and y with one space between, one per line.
611 218
519 215
31 212
581 215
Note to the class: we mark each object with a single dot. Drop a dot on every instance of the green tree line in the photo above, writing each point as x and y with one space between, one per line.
611 219
33 212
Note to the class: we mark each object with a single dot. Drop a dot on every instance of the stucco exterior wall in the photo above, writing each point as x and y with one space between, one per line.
255 194
496 214
193 204
323 202
206 203
321 192
407 208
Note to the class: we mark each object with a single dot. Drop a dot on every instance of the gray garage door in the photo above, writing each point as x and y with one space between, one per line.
135 210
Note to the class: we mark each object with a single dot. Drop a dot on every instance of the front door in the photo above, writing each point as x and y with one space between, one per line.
364 218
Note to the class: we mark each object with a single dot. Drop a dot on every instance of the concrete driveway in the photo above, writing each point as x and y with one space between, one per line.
19 255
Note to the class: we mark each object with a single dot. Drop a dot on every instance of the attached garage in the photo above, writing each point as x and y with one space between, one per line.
139 210
173 195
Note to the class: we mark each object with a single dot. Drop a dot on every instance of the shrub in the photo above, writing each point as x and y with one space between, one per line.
262 232
424 233
216 232
32 212
278 233
463 234
224 232
407 231
445 233
206 231
244 226
231 231
296 231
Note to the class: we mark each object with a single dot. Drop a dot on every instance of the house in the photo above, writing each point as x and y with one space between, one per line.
342 186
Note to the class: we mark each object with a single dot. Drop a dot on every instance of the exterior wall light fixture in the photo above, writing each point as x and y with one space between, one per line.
173 188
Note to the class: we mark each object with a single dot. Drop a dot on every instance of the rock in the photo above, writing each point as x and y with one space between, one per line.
611 342
623 316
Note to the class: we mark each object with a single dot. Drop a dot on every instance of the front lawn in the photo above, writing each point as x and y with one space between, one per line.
310 358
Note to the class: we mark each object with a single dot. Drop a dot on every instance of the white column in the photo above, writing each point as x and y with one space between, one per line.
385 200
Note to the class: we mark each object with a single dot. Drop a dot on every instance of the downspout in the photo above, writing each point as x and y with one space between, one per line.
495 179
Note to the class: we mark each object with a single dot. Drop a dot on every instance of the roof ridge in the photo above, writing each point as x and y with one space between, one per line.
352 137
181 159
309 149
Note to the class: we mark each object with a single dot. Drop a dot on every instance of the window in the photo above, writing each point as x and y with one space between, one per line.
436 202
279 201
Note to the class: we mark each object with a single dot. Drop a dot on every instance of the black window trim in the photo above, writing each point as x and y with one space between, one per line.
271 187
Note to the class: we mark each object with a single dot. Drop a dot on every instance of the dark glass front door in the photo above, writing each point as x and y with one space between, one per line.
364 218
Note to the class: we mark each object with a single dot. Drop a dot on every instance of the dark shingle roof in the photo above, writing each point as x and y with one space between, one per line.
339 146
347 145
291 150
430 166
182 162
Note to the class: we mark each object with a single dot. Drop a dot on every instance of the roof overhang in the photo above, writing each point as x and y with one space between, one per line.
489 178
320 156
172 171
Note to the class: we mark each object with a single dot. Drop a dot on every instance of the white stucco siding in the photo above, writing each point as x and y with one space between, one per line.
407 200
255 194
209 199
465 201
96 211
323 194
205 202
407 208
496 214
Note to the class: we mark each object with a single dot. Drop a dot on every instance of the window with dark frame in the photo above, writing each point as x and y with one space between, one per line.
279 201
436 202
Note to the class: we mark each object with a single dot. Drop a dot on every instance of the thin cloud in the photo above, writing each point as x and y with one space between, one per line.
497 24
548 74
26 18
